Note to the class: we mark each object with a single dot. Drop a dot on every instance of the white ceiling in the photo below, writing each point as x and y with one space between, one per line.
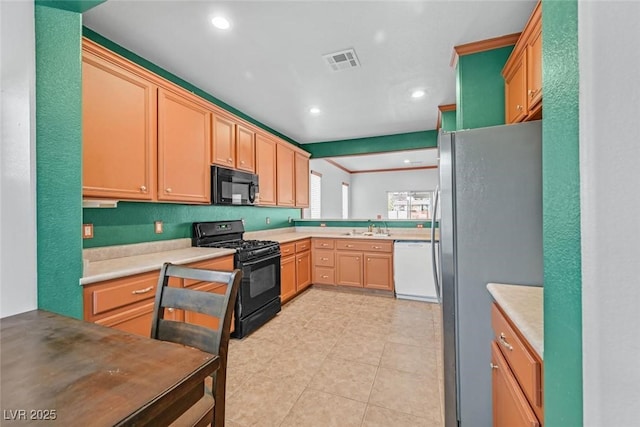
392 160
269 65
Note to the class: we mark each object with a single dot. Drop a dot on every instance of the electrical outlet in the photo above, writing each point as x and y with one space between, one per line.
322 224
87 231
268 220
242 219
419 225
289 220
158 227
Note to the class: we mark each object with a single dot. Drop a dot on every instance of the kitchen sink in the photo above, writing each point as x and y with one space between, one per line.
367 234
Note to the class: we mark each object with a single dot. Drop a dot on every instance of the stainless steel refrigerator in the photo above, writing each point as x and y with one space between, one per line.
490 231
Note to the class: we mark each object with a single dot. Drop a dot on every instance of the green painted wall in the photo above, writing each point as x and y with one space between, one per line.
78 6
449 120
133 222
59 160
376 144
480 89
92 35
561 216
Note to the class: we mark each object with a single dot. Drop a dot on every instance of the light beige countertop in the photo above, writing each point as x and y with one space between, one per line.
112 262
130 263
523 305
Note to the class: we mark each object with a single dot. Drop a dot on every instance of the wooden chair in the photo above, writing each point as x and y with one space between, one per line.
210 409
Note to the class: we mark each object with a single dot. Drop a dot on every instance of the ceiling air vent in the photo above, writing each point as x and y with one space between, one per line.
342 60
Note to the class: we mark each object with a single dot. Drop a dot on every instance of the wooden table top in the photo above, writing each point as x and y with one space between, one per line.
84 374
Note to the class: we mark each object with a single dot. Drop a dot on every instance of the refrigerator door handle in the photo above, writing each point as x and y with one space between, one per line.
434 243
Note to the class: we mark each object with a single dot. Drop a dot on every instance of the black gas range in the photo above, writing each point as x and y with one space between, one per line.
259 260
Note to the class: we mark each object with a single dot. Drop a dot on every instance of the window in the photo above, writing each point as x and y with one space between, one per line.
409 204
315 190
345 200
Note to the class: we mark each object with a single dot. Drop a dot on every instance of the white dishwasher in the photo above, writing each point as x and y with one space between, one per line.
413 271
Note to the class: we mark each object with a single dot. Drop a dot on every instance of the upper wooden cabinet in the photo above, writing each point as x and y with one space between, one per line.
523 73
285 169
233 143
266 169
245 148
118 129
147 139
302 180
184 141
224 141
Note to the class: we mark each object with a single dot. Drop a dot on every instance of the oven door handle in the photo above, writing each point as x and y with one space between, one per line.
260 260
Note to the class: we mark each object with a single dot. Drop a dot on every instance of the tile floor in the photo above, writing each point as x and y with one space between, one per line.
335 358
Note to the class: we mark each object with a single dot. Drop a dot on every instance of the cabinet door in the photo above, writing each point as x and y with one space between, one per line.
285 175
510 406
287 278
224 141
118 131
184 141
378 271
534 69
302 180
515 92
303 270
245 149
349 268
266 169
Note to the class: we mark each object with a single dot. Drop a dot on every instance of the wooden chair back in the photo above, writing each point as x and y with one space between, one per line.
210 340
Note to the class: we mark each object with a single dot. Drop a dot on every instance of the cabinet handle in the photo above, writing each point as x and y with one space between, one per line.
519 107
324 259
357 258
242 162
349 246
503 341
492 366
325 276
168 190
229 160
300 260
171 310
287 251
368 259
376 247
325 244
142 291
143 188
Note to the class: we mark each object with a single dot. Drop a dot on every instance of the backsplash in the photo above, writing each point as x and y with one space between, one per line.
133 222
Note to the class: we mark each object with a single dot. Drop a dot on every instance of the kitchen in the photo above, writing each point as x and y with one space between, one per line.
566 335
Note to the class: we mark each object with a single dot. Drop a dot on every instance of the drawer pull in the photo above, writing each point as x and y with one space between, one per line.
300 260
325 244
503 341
324 276
377 247
493 366
324 259
287 251
142 291
171 310
349 246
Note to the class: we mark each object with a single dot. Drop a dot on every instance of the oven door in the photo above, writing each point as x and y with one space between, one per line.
260 284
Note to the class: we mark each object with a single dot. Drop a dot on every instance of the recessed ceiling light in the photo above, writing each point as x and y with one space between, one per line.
221 22
314 110
419 93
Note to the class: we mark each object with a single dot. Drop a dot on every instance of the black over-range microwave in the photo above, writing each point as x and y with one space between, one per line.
232 187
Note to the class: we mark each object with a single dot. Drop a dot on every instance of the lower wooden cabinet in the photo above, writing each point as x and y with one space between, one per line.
378 271
516 376
126 303
355 263
349 269
295 268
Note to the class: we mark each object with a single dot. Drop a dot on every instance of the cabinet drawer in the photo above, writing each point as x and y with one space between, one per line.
324 275
224 263
287 249
523 363
136 320
303 245
117 293
364 245
323 243
323 258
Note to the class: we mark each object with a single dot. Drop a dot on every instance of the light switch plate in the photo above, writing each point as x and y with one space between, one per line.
87 231
158 227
